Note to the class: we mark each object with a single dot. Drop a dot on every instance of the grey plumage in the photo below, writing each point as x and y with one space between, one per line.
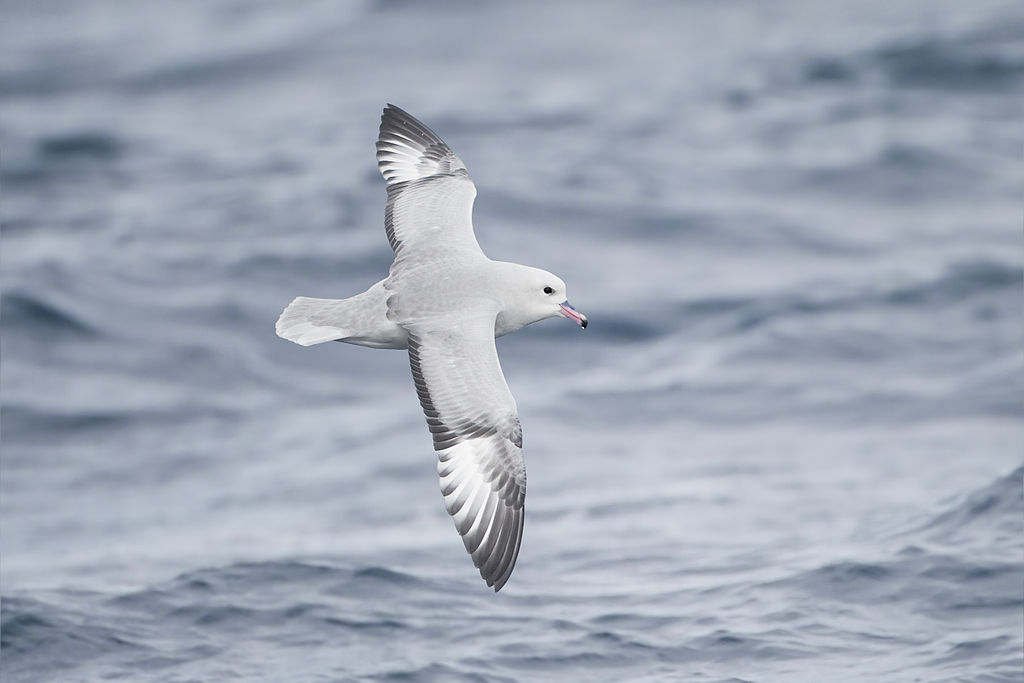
445 301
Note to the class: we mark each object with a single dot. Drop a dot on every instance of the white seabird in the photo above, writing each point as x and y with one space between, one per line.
445 302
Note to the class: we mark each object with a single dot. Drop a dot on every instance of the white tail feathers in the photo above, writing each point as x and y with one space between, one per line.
361 319
309 321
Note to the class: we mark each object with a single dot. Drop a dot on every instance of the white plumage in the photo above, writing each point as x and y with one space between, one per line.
445 301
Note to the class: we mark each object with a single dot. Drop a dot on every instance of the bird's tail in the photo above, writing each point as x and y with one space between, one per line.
309 321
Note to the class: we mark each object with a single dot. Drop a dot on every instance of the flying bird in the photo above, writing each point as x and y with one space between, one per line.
445 301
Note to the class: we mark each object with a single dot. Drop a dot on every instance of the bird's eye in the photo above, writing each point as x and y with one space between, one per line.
548 290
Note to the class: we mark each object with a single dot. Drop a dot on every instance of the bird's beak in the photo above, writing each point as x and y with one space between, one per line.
572 314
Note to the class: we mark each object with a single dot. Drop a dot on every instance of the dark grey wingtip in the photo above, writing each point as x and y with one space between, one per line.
408 150
498 573
395 120
392 109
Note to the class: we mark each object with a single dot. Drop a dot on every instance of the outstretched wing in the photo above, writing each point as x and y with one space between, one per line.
469 409
472 417
430 195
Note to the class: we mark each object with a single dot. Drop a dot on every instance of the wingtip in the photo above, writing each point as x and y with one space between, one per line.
498 584
392 110
407 149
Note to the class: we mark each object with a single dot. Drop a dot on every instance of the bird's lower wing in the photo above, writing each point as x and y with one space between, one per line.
472 417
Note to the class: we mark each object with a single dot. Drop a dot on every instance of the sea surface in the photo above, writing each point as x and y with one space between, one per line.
789 447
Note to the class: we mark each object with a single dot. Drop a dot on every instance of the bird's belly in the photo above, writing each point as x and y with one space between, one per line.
388 337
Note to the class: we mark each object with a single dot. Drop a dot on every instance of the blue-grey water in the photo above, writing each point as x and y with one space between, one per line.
789 447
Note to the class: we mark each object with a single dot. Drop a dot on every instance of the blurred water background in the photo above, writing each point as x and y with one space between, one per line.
788 448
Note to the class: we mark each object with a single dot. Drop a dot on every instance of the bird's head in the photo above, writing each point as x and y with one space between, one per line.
534 295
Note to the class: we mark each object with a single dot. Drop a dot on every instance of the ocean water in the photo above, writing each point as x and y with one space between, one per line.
789 447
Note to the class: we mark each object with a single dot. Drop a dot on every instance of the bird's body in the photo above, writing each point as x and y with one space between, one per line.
445 301
363 319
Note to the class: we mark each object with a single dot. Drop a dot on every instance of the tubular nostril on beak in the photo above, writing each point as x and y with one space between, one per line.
572 314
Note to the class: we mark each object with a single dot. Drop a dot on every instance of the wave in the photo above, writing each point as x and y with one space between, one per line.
985 59
934 581
98 145
989 58
64 157
39 639
897 172
200 613
966 611
276 581
104 68
24 419
933 578
959 282
358 612
33 315
975 281
995 512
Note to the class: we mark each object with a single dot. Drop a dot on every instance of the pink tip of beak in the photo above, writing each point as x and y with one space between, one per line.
572 314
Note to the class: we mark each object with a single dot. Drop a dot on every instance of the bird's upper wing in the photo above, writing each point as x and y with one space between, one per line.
430 195
472 417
